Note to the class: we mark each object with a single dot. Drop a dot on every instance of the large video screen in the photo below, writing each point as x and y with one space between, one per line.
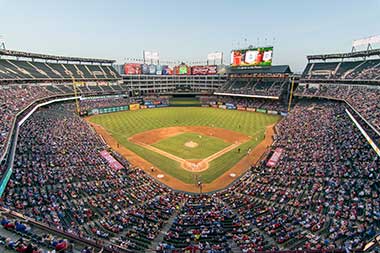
261 56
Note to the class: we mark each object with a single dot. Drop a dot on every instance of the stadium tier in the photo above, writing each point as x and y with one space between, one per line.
270 82
37 68
343 67
365 99
279 177
173 84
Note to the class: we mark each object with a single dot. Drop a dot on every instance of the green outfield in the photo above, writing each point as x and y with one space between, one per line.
122 125
184 101
204 145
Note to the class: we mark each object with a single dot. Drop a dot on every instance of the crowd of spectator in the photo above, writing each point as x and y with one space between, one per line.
60 178
261 87
202 224
365 70
257 103
365 99
322 194
12 100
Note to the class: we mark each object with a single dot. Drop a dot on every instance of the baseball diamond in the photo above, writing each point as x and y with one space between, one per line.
158 136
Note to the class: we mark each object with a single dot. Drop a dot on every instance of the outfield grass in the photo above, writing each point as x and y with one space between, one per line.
184 101
207 145
125 124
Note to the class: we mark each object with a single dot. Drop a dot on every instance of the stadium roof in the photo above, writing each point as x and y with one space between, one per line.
276 69
51 57
363 54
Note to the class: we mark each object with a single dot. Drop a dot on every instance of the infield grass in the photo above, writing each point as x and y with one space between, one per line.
122 125
207 145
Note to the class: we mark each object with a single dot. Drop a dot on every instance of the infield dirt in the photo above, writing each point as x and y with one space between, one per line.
221 182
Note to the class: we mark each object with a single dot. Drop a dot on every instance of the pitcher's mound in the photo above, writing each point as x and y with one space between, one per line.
191 144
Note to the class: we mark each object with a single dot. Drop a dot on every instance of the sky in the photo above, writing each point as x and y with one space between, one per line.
187 30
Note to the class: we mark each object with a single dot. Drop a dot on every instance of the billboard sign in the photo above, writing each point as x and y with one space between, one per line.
366 41
214 56
132 69
204 70
151 56
134 107
166 70
152 69
145 69
158 70
182 69
261 56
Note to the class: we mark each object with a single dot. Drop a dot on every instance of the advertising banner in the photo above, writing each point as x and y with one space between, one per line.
152 69
113 163
214 56
143 107
158 70
214 106
272 112
182 69
134 107
251 109
204 70
151 106
261 110
109 109
151 56
166 70
132 69
261 56
275 157
283 113
222 107
241 108
145 69
231 107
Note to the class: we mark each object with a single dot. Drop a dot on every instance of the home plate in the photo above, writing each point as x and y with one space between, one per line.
160 175
232 175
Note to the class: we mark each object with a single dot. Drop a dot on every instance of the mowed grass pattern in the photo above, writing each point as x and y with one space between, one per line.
122 125
207 145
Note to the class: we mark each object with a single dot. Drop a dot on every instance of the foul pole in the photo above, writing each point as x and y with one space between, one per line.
77 105
291 94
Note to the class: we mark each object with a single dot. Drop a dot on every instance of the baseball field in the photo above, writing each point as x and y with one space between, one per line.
184 145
